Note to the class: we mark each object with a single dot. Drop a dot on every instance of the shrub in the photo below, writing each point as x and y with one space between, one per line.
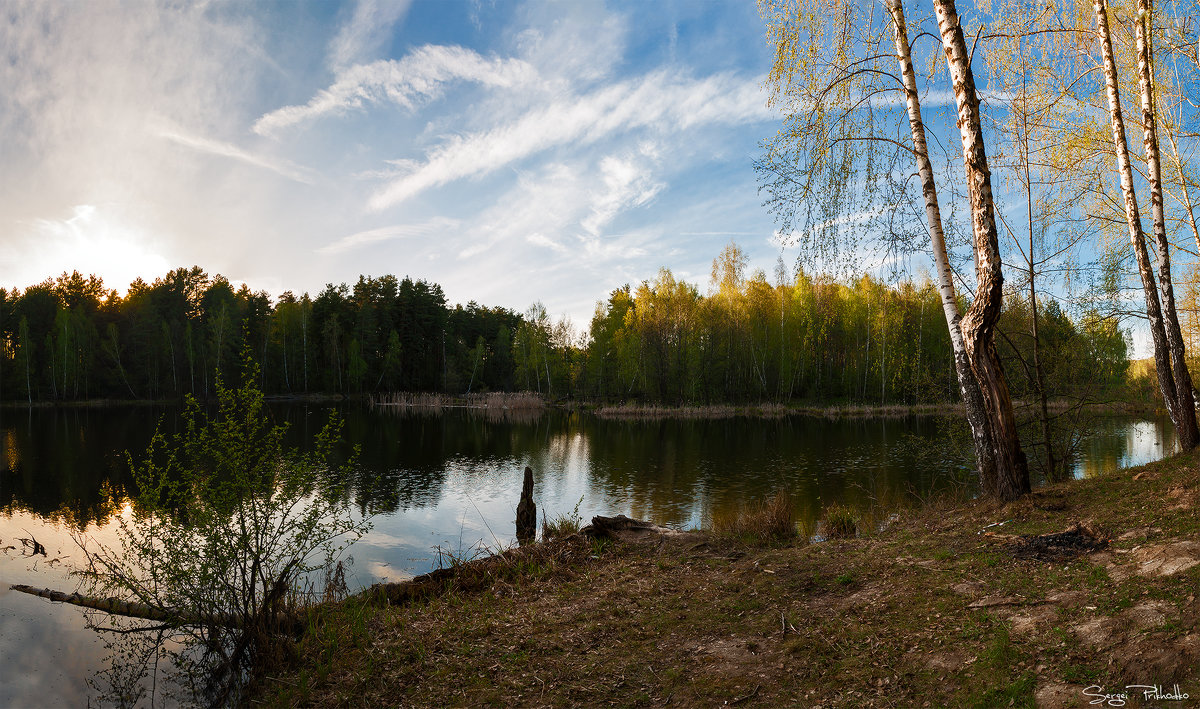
226 525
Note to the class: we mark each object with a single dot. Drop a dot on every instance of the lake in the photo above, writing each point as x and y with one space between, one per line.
451 482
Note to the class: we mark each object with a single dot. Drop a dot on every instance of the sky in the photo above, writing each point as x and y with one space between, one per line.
512 152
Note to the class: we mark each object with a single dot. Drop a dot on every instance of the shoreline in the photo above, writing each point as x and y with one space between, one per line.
953 604
526 403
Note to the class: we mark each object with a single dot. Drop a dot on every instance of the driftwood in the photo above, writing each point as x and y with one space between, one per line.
115 606
622 527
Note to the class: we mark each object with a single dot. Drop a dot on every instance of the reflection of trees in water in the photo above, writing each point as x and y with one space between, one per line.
1117 441
674 471
60 462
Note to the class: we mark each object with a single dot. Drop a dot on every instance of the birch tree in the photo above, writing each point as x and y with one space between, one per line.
979 322
1186 423
981 429
1168 348
831 63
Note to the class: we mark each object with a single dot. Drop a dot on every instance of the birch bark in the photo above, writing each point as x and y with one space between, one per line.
1162 361
969 386
1186 423
979 323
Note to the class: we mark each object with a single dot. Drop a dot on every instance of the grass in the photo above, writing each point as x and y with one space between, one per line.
562 525
760 522
933 610
838 523
523 406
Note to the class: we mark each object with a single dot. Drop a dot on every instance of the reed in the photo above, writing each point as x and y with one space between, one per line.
839 523
762 521
513 407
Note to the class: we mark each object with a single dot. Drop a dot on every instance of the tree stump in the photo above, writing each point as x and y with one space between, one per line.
526 511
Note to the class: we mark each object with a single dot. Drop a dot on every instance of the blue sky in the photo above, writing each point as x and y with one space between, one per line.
511 152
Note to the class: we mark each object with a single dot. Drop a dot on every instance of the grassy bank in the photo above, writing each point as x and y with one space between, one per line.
944 607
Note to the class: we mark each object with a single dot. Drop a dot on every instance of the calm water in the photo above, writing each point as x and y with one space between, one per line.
452 482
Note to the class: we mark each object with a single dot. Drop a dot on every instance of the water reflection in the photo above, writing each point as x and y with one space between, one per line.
451 481
1119 443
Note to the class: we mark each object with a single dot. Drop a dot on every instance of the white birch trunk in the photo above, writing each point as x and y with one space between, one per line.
1186 424
968 384
979 323
1162 362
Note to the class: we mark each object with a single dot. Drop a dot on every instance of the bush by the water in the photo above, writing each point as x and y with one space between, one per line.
226 525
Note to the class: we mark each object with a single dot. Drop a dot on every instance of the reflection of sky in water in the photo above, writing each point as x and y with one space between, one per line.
452 483
1122 443
46 653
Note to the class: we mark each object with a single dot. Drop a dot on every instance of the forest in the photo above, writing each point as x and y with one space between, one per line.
805 338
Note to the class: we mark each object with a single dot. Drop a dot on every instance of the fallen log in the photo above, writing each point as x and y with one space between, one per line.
115 606
133 609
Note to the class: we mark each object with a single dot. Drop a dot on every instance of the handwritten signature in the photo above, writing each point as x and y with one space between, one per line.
1148 692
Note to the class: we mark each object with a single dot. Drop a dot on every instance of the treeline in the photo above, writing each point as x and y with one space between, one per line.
799 339
70 338
819 340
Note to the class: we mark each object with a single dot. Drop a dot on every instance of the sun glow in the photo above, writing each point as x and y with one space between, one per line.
91 241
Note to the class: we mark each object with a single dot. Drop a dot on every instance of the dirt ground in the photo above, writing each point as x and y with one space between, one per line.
948 606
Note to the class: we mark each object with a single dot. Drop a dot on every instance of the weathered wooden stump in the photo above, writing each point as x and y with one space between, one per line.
526 511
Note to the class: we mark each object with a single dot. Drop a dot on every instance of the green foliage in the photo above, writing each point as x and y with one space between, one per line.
795 338
227 525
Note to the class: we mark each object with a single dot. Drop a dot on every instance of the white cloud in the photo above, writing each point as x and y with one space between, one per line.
628 183
388 233
228 150
416 78
540 239
565 209
571 43
79 80
366 31
939 98
661 101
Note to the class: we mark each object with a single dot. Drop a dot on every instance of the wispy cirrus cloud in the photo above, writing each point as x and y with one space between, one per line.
369 237
407 82
366 31
219 148
661 100
628 182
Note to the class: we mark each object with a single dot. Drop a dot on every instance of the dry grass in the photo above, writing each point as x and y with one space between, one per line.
562 525
770 410
498 406
655 411
839 523
762 521
839 411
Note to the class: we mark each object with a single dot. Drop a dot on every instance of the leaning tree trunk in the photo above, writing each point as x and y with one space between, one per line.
969 386
1186 424
979 324
1162 361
